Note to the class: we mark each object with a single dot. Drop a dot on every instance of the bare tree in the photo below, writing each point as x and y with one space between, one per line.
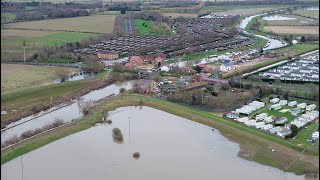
62 74
85 106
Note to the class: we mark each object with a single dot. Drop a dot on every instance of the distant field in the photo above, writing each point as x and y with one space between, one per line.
175 15
307 13
17 76
7 17
240 10
97 24
11 41
293 29
298 21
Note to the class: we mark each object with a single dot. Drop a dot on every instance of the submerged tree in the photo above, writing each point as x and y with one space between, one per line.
117 135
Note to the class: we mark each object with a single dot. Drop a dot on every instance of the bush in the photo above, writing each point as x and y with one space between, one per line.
136 155
122 90
109 121
117 135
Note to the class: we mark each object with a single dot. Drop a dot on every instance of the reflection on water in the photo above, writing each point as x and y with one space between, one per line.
67 113
78 76
171 148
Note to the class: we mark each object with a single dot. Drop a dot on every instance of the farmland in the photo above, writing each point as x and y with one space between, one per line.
297 21
293 29
18 76
175 15
307 13
93 24
7 17
12 47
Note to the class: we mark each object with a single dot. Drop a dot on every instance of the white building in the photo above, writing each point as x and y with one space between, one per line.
275 107
274 100
243 119
267 127
164 69
292 103
261 116
268 119
227 67
283 102
275 129
283 132
311 107
302 105
259 125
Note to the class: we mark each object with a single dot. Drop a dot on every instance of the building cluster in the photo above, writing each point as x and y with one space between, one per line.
202 25
279 126
306 69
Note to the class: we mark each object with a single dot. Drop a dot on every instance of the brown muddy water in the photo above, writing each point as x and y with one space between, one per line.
66 113
171 148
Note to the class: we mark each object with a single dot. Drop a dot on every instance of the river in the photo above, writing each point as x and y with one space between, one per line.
171 148
66 112
272 43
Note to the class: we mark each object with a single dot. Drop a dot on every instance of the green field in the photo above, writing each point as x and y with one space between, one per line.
12 47
307 13
7 17
144 26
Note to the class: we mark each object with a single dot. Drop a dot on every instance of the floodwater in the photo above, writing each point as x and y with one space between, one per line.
272 43
313 9
77 76
277 18
66 113
171 148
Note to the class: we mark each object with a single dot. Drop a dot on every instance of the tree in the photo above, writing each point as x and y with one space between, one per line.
286 95
294 130
303 39
84 106
62 74
24 43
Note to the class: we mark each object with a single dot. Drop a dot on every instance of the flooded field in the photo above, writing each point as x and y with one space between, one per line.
66 112
277 18
171 148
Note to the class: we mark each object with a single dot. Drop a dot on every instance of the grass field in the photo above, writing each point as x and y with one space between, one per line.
293 29
96 24
18 76
307 13
7 17
254 143
297 49
144 27
11 41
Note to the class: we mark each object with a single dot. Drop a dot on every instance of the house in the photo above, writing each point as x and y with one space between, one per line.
283 132
295 111
196 78
227 66
267 127
261 116
280 120
158 61
164 69
268 119
186 70
259 125
108 55
302 105
146 86
276 129
292 103
136 60
283 102
274 100
311 107
243 119
275 106
232 115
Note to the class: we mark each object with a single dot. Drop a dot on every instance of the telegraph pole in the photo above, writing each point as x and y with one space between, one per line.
21 168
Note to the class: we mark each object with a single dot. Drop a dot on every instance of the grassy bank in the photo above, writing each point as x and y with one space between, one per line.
255 145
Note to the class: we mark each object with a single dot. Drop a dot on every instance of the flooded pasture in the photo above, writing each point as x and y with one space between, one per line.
171 147
66 112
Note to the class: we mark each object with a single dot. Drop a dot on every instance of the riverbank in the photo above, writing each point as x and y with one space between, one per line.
255 145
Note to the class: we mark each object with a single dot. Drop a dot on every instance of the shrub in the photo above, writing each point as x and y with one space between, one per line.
117 135
122 90
136 155
109 121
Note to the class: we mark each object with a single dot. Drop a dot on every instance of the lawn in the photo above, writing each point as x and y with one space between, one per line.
144 26
94 24
18 76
